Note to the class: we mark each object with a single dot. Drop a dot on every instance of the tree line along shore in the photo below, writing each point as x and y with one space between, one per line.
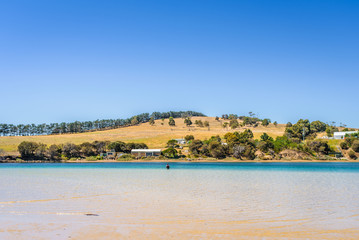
299 142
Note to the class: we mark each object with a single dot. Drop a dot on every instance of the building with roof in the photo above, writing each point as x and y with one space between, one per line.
180 141
145 152
109 154
341 135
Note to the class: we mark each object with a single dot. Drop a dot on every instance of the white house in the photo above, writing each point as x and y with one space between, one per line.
341 135
181 141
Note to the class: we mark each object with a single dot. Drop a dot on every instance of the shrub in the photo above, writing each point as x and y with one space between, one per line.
189 138
71 150
234 123
319 147
126 156
350 140
355 146
318 126
199 123
171 122
266 122
262 145
170 153
216 150
91 158
195 147
244 151
172 144
344 145
27 149
265 146
352 155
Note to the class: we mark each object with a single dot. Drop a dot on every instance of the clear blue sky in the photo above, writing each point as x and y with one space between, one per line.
65 60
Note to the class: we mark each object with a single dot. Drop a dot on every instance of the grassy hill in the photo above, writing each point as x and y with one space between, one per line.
155 136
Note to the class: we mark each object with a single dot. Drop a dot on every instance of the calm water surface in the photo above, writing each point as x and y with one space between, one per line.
191 200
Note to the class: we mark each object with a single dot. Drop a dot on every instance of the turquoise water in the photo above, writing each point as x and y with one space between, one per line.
51 200
315 166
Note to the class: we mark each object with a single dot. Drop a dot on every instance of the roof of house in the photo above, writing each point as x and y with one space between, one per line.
343 133
145 150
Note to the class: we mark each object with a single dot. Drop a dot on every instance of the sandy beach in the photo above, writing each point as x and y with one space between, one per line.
142 200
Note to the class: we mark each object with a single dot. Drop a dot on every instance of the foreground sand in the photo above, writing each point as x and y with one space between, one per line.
94 202
90 203
193 230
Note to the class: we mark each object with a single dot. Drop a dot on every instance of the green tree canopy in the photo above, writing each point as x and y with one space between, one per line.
172 144
171 122
189 138
152 121
195 147
54 152
71 150
266 137
296 130
188 121
117 146
266 122
355 146
170 153
234 123
318 126
27 149
134 121
216 150
319 147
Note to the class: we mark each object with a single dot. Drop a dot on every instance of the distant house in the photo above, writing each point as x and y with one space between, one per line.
109 155
341 135
145 152
180 141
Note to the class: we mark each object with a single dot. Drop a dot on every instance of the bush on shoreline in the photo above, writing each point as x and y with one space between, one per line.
89 151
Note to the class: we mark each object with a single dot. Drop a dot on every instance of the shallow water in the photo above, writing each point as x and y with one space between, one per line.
191 200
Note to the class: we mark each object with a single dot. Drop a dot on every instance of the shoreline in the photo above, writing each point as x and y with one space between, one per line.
188 161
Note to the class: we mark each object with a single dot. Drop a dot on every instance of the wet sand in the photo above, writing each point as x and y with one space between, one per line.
193 203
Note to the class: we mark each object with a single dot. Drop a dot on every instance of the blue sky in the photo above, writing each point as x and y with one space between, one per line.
86 60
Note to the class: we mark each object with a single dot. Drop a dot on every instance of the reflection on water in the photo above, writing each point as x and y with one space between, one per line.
307 200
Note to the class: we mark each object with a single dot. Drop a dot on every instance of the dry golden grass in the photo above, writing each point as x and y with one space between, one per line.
154 136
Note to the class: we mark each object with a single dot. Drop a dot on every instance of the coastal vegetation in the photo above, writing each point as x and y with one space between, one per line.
155 135
40 151
242 145
298 140
350 146
228 136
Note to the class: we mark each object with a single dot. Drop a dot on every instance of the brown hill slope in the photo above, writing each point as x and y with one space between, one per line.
155 136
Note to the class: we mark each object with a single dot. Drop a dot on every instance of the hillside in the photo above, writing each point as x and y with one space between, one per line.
155 136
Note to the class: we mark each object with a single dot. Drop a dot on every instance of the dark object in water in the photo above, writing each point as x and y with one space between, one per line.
168 166
92 214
